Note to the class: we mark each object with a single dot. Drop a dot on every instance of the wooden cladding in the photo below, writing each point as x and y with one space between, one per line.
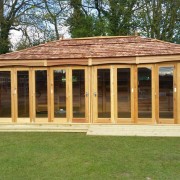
90 61
126 94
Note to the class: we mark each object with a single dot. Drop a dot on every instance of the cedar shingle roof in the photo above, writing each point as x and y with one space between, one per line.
96 47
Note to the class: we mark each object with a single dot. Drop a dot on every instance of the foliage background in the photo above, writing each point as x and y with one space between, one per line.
45 20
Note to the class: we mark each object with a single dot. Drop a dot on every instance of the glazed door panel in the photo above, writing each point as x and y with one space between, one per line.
23 96
6 96
79 95
124 93
103 111
59 97
145 92
166 94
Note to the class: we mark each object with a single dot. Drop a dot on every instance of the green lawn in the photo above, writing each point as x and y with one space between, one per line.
77 156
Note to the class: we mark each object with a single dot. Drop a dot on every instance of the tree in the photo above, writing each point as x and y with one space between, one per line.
160 19
120 17
10 14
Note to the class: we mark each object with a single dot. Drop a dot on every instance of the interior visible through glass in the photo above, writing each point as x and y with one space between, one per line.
23 93
166 92
41 93
104 98
144 93
60 93
78 85
124 92
5 94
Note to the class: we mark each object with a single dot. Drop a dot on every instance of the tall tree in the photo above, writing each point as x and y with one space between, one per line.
120 17
160 19
10 13
80 23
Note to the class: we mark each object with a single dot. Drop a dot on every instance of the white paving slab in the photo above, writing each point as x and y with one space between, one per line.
135 130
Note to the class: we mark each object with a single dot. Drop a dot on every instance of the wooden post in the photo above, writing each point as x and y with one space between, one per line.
49 94
178 93
153 81
132 80
135 94
112 88
175 94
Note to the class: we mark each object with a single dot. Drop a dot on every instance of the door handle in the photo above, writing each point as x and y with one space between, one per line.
86 94
95 94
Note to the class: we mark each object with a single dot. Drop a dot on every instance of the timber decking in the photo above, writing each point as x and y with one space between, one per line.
100 130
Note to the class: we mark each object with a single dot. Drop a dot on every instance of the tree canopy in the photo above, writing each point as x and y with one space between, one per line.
45 20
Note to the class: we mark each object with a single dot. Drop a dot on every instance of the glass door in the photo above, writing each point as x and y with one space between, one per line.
41 95
166 94
102 95
124 92
145 94
5 96
23 97
79 90
59 95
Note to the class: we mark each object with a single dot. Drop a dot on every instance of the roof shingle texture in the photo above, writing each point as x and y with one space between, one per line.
98 47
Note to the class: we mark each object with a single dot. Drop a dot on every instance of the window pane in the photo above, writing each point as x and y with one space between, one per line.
23 93
124 95
78 80
104 98
41 93
144 93
166 92
60 93
5 94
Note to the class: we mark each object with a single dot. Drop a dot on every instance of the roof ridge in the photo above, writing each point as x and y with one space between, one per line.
98 37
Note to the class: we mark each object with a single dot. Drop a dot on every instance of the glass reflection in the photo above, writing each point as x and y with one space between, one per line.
124 95
166 92
144 93
23 93
41 93
5 94
60 93
78 80
104 98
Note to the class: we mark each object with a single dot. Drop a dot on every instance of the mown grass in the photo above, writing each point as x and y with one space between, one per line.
77 156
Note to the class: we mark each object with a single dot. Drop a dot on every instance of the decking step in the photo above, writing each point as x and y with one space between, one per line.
135 130
43 128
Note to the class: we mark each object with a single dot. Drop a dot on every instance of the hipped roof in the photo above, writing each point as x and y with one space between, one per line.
95 47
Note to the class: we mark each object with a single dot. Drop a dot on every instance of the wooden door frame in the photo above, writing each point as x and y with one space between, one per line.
153 93
16 118
95 118
10 119
124 120
54 119
33 84
161 120
87 97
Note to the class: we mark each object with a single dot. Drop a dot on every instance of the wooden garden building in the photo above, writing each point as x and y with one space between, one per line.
123 79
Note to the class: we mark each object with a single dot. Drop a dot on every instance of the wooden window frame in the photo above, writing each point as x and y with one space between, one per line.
151 120
12 118
131 119
163 120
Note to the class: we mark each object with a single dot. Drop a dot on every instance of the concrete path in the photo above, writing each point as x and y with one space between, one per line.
135 130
